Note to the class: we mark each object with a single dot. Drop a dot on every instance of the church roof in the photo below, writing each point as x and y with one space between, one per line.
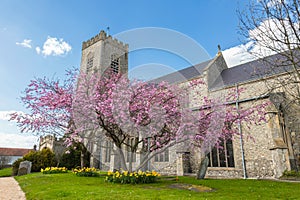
254 70
184 74
250 71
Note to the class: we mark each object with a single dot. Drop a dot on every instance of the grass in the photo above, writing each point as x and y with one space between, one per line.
6 172
70 186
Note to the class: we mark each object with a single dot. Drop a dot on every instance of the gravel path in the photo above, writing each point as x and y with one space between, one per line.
10 189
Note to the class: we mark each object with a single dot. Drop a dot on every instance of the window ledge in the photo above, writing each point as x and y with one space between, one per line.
223 168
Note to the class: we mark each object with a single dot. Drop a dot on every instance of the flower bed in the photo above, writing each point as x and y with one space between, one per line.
126 177
54 170
86 171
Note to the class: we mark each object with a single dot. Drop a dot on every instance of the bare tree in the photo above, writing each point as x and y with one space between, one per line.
272 29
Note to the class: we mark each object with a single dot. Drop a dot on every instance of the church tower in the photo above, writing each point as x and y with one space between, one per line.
103 52
99 54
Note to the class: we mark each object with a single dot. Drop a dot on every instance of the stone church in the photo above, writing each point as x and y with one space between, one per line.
273 147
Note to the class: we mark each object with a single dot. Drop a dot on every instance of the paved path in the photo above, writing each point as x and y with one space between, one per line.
10 189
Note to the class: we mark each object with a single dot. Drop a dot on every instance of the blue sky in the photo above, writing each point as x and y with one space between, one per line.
26 27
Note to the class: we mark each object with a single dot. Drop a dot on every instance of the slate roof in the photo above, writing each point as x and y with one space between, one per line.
250 71
14 151
254 70
183 74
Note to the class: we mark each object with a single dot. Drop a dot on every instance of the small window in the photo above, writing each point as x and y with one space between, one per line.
89 64
162 157
129 152
108 148
222 156
115 63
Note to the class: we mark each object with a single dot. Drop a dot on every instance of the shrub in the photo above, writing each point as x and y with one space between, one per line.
86 171
39 159
54 170
126 177
291 173
72 160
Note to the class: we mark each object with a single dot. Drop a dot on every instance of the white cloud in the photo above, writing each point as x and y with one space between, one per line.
272 34
237 55
38 50
54 47
10 140
265 43
10 135
25 43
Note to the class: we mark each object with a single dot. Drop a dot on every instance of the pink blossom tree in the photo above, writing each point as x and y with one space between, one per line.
49 105
154 116
131 114
135 116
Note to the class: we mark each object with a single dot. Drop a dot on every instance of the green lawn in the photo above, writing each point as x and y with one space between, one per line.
69 186
5 172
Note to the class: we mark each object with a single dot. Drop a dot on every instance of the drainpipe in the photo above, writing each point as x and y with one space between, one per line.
148 148
241 134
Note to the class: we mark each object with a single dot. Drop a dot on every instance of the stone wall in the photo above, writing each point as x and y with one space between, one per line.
264 156
220 172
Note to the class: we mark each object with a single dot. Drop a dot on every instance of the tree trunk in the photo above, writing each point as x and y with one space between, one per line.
202 168
119 162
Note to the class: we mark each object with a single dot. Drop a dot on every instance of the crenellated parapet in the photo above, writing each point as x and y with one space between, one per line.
103 36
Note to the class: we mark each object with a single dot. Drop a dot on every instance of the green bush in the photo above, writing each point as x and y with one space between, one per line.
71 159
39 159
291 173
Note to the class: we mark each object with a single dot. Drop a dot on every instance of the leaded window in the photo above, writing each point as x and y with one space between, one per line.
162 157
223 155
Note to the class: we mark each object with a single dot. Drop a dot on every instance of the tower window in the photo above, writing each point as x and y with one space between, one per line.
89 64
115 63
